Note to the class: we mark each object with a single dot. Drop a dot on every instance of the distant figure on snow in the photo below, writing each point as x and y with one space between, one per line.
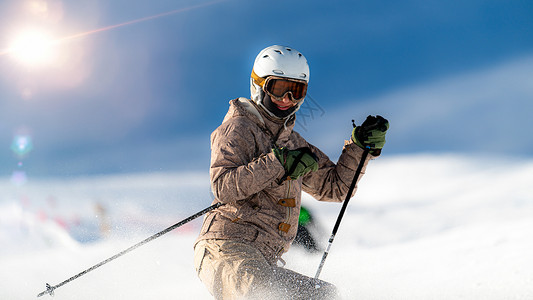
305 236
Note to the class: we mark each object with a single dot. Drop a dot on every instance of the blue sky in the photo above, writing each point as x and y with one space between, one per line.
144 96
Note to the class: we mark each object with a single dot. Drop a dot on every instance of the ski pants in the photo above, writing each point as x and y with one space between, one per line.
235 270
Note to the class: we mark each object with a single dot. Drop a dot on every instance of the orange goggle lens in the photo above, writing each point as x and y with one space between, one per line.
278 87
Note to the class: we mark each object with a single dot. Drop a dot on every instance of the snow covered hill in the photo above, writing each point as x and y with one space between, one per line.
420 227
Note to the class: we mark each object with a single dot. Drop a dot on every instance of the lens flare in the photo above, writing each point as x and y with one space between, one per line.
36 46
22 145
33 47
19 178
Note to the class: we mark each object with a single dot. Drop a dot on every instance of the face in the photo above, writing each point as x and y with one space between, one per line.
283 104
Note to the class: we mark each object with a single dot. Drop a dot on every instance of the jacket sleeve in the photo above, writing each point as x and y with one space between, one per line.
331 181
237 171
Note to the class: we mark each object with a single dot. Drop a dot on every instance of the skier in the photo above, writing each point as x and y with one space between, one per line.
259 167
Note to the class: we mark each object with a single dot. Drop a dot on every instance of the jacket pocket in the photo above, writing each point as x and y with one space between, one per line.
246 208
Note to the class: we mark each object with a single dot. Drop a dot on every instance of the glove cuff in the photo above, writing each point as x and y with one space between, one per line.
280 154
354 138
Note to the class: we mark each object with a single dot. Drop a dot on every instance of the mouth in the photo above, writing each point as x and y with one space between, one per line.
280 107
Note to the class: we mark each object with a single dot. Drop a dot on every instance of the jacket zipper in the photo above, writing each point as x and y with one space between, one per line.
287 220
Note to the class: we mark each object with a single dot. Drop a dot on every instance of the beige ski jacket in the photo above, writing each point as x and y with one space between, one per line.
245 173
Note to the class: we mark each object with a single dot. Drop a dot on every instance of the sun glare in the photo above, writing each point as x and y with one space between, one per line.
33 47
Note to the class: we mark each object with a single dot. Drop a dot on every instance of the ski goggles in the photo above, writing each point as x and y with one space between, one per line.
277 87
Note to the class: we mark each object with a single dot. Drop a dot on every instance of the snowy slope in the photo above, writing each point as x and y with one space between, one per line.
420 227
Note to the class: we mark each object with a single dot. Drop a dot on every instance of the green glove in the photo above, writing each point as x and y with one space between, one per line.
297 162
371 134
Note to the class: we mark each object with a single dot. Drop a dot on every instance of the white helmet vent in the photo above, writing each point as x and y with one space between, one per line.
280 61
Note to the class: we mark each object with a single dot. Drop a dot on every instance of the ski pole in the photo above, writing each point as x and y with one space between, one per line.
343 209
50 288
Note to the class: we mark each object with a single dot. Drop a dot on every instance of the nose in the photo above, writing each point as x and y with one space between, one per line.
286 98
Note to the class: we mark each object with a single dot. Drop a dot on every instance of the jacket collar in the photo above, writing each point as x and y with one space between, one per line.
276 127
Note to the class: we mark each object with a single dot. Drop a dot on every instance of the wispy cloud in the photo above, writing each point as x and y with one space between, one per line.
486 110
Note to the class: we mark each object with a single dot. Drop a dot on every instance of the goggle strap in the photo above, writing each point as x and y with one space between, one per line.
258 80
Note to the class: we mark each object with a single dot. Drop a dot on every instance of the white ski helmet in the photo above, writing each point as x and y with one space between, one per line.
281 61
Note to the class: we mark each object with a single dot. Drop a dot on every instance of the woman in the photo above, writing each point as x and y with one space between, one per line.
259 168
